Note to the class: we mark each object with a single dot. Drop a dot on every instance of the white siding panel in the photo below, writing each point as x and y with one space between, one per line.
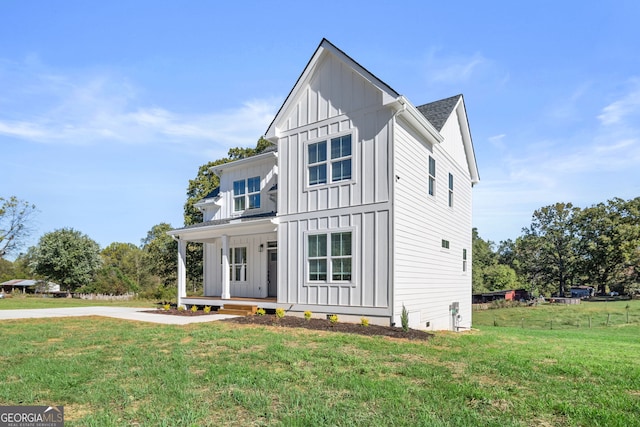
427 277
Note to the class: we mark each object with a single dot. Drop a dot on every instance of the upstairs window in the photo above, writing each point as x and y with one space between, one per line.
445 244
246 194
329 167
432 176
450 190
464 260
238 195
253 192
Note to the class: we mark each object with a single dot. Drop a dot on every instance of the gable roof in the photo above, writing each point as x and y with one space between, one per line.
389 95
438 112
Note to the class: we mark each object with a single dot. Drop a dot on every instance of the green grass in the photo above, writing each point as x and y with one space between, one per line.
32 301
562 316
108 372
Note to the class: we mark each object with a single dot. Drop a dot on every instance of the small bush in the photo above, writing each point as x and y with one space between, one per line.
167 307
207 309
404 319
279 313
333 319
181 308
307 315
194 308
261 312
364 321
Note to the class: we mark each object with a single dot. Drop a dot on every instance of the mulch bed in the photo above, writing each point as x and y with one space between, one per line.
313 324
326 325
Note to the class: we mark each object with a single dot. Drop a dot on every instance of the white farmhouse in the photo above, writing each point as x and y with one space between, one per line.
362 206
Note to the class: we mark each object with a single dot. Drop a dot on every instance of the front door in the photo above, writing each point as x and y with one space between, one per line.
272 273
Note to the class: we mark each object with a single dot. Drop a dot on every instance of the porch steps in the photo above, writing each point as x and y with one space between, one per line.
238 309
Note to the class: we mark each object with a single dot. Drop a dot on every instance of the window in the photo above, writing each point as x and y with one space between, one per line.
432 176
341 158
339 161
464 260
246 194
329 260
318 163
238 195
237 264
253 192
445 244
450 190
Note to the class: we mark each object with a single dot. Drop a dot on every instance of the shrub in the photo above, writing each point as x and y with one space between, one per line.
181 308
279 313
261 312
364 321
307 314
167 306
207 309
404 319
194 308
333 319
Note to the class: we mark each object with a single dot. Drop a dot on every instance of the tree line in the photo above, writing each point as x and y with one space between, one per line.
565 246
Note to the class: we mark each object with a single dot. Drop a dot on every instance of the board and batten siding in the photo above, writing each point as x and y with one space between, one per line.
266 169
428 277
370 260
335 102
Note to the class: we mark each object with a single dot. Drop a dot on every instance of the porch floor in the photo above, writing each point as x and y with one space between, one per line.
270 302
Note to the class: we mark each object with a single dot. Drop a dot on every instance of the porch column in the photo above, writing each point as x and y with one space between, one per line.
226 289
182 271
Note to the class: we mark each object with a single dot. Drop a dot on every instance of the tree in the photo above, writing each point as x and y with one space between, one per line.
483 257
547 249
68 257
609 245
161 253
14 223
499 277
123 270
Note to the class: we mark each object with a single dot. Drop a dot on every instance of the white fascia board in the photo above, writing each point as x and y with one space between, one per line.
411 114
218 169
463 122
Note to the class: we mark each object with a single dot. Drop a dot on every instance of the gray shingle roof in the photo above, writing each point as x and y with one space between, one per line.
439 111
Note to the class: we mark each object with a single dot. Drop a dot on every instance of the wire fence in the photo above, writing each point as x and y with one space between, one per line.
600 320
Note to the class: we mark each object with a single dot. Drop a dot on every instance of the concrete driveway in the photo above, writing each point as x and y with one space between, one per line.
126 313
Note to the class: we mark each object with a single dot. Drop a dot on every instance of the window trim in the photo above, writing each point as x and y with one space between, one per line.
431 188
328 161
450 190
245 196
329 258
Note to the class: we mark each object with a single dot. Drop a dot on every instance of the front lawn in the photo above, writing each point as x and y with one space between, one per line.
109 372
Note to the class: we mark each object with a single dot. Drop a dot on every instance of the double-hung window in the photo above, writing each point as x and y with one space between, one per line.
450 190
333 166
237 264
329 257
464 260
246 194
432 176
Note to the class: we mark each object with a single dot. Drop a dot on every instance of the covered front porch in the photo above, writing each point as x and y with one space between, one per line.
266 303
240 260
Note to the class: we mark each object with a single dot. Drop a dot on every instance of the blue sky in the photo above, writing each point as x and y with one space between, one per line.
107 109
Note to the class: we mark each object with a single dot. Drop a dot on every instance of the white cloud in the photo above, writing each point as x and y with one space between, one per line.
96 106
618 111
450 69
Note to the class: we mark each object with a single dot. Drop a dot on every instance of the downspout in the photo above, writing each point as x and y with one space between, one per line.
402 109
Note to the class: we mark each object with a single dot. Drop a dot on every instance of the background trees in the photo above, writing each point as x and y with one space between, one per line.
15 215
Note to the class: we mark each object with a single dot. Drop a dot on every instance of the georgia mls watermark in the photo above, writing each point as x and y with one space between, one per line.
31 416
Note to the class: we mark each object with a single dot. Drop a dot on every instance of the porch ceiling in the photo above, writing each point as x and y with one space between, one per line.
208 233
